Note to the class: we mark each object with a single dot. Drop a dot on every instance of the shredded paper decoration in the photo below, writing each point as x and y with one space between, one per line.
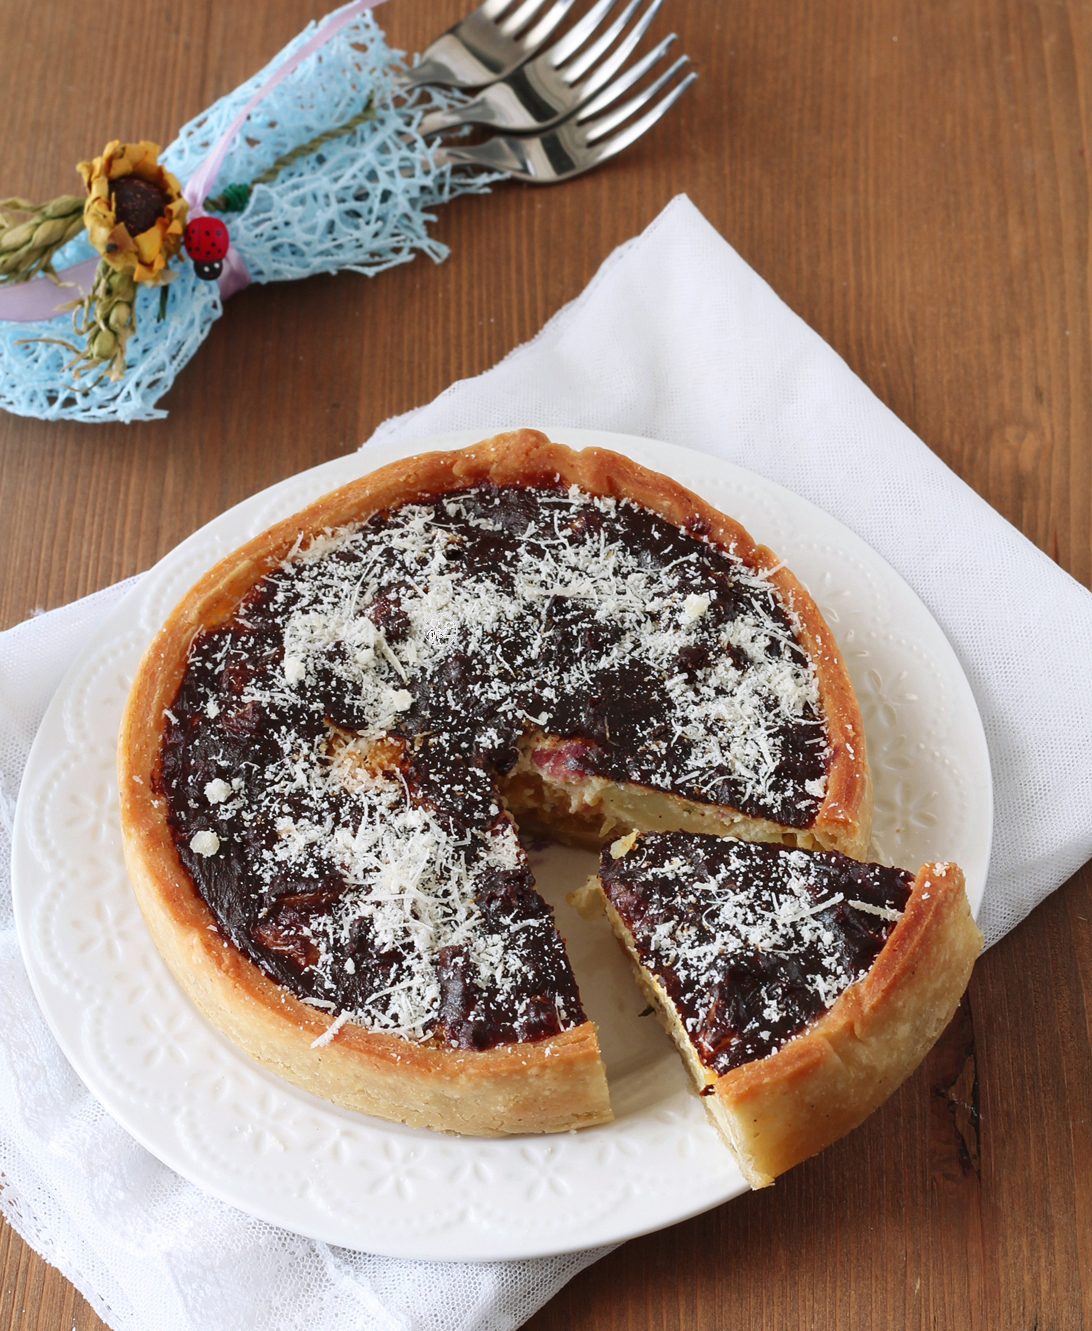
330 173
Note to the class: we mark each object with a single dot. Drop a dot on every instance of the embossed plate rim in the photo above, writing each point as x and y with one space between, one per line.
702 1184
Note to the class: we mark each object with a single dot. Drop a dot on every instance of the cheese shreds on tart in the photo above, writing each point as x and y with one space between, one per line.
801 987
325 747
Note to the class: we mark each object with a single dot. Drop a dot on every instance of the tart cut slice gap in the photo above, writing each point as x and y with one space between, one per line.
800 987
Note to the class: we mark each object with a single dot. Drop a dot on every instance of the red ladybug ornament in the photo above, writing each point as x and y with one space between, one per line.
206 240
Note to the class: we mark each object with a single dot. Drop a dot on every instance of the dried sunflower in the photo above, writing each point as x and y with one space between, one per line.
135 212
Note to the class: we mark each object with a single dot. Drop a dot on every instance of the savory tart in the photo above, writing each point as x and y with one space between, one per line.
325 745
801 987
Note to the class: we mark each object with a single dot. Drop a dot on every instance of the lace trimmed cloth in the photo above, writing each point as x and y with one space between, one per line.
362 201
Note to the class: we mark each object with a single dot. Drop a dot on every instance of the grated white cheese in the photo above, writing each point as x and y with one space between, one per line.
328 1034
204 843
217 790
413 883
884 912
694 607
748 900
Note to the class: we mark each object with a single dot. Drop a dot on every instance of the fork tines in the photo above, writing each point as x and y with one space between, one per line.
577 144
557 83
492 41
597 128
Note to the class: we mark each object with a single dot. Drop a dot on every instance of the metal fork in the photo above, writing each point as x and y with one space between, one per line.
574 146
552 86
486 45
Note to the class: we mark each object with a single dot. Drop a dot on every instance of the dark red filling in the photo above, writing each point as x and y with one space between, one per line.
460 735
751 997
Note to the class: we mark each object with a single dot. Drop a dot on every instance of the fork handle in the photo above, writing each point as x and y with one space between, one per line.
487 109
449 60
436 121
428 71
497 154
525 102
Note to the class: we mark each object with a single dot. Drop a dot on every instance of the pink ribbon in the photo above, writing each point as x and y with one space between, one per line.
29 302
40 298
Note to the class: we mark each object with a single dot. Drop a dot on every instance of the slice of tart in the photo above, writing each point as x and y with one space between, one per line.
324 747
801 987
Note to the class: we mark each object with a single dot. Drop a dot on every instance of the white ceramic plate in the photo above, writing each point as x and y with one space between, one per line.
205 1109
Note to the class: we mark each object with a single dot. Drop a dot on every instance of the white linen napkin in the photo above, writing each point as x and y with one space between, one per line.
675 339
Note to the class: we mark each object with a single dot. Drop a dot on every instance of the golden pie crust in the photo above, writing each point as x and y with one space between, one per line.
547 1086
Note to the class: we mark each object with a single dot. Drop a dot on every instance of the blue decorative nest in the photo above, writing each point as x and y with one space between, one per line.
360 201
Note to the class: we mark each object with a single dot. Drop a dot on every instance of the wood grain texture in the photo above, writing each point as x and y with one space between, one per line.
912 177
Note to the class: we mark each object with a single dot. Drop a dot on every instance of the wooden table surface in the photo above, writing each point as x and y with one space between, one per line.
912 177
